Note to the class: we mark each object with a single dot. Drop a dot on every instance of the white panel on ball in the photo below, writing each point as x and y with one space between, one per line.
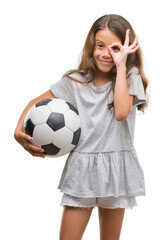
58 105
72 120
62 137
43 134
34 143
65 150
40 115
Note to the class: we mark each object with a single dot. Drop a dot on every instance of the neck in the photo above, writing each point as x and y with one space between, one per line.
104 76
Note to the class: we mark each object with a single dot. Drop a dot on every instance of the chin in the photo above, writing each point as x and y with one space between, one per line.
105 70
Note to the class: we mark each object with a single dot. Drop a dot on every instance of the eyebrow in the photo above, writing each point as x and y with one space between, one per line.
98 40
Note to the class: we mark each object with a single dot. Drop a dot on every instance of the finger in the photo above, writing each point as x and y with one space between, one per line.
133 50
126 43
117 44
35 148
30 147
25 136
37 154
111 51
134 43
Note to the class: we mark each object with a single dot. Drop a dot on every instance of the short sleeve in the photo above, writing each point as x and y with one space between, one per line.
135 86
63 90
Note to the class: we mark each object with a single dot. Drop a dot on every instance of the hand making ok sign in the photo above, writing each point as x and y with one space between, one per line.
120 52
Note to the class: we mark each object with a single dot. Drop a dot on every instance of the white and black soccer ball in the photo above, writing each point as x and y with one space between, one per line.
54 125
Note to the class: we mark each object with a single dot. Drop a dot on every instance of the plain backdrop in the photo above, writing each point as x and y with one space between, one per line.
39 42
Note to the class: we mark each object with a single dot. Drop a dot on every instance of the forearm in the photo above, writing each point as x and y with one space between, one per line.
122 103
22 117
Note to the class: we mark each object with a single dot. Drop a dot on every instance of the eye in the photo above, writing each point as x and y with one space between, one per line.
116 49
100 45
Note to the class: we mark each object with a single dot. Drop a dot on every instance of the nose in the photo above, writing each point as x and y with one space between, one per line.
106 53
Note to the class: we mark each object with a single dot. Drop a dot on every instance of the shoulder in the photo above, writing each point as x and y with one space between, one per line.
75 81
78 76
132 71
133 75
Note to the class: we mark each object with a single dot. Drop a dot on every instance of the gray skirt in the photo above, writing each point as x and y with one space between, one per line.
107 174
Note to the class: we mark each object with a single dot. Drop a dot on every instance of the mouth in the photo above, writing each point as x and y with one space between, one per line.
105 62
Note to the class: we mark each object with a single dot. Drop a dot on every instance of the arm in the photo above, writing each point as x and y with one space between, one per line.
122 100
23 138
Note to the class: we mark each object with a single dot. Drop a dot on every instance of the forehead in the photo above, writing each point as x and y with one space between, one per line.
106 36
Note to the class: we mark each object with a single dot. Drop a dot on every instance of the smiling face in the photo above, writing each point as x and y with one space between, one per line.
101 55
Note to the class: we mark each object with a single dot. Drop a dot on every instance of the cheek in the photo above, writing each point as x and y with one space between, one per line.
95 53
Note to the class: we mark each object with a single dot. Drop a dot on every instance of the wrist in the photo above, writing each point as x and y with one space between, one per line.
17 133
121 67
121 73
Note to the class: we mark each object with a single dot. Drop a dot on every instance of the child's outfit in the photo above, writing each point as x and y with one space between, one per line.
103 169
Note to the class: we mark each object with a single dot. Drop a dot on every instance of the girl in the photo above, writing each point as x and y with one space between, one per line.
103 170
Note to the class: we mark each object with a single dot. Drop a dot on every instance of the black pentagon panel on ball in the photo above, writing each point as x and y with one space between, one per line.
56 121
29 127
43 102
50 149
72 108
76 137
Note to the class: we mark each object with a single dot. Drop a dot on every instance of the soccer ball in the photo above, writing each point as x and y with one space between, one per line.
54 125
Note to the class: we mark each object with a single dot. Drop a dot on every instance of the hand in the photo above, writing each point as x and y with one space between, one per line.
24 140
120 56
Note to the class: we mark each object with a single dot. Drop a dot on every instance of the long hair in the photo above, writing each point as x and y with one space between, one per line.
118 25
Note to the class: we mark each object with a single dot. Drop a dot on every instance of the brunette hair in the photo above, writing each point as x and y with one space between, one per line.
118 25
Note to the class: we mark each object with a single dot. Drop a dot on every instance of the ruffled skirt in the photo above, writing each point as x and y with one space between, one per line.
102 174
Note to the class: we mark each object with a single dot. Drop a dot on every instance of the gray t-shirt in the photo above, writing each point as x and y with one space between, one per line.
104 162
100 131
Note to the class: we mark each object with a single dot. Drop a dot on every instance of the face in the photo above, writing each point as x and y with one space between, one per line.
101 55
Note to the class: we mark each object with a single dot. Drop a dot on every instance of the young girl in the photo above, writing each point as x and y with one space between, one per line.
103 170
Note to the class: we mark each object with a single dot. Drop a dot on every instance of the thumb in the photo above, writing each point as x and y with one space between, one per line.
111 51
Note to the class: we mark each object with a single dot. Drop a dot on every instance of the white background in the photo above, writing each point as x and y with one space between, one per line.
39 42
